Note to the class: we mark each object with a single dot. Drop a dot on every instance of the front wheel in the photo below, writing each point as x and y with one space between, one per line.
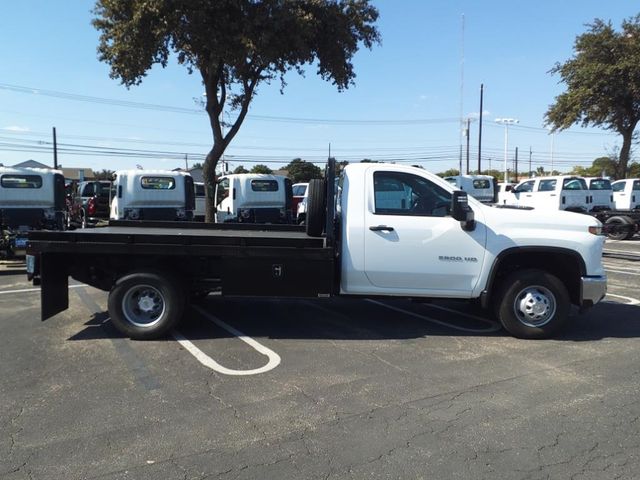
145 305
533 304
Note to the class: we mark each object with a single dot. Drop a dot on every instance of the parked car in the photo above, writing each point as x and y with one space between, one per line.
90 203
30 199
552 193
153 195
299 194
254 198
626 194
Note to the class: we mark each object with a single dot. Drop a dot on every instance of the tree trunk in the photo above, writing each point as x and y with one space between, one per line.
209 174
625 152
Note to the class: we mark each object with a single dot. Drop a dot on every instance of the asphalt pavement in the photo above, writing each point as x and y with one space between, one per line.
326 389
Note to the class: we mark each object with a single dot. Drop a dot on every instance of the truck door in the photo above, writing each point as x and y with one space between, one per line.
412 244
524 194
224 210
547 196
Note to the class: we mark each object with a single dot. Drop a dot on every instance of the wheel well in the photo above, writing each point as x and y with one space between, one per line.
566 265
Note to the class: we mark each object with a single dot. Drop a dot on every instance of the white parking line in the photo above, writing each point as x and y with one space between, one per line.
624 272
207 361
632 301
494 328
27 290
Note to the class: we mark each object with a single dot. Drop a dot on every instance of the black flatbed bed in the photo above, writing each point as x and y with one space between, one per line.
174 238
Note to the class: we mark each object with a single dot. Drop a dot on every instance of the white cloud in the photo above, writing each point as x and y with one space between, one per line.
16 128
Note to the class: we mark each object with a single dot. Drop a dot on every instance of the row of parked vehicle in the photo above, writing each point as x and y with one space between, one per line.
37 199
616 204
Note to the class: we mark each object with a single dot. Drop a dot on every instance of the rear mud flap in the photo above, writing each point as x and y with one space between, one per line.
54 294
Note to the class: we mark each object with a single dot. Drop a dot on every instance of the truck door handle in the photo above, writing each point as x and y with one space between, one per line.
381 228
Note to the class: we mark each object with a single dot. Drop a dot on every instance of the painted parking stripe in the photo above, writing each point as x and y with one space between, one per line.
623 272
493 328
27 290
207 361
631 300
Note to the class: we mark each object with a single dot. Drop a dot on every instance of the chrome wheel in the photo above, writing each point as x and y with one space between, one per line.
535 306
143 305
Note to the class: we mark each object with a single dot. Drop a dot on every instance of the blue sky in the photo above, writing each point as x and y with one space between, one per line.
405 106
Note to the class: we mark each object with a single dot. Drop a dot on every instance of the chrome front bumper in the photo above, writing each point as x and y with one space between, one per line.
592 290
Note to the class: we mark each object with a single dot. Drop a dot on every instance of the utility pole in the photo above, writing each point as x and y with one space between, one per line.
467 133
480 128
55 150
186 162
516 166
530 153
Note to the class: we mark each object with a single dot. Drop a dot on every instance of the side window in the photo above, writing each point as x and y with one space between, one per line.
526 186
481 184
222 190
617 187
574 184
398 193
600 184
199 188
158 183
547 185
636 185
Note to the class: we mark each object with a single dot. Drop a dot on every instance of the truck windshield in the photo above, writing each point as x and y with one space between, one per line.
600 184
264 185
574 184
158 183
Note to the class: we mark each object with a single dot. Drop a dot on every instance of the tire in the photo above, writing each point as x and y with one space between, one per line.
316 207
533 304
145 305
620 233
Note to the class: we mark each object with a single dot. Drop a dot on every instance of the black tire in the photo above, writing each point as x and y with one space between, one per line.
316 207
622 228
532 304
145 305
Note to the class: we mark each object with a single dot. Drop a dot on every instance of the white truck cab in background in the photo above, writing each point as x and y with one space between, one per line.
163 195
480 187
600 194
254 198
626 194
562 192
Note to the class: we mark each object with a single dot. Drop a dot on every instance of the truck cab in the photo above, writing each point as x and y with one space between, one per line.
600 194
563 192
153 195
480 187
253 198
626 194
30 199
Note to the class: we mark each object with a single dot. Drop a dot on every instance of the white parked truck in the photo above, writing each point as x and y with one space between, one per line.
254 198
563 192
600 194
480 187
391 231
626 194
153 195
30 199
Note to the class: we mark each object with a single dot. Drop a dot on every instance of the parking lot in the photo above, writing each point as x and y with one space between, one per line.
334 388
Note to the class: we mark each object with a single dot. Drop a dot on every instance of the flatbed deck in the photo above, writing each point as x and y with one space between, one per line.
183 238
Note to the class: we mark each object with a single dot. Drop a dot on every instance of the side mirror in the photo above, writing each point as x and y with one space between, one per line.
461 211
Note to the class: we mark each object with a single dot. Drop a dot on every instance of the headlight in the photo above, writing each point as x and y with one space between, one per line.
181 213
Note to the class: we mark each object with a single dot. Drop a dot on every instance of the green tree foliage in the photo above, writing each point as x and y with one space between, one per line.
452 172
603 84
261 169
105 174
300 171
235 45
606 165
196 165
241 169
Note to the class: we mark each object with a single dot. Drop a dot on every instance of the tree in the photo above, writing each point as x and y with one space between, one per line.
241 169
235 45
599 165
105 174
261 169
452 172
196 165
300 171
603 84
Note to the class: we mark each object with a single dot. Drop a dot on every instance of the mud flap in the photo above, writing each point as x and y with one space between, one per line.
54 294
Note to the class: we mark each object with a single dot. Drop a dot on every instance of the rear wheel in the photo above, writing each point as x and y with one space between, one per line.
620 228
533 304
145 305
316 207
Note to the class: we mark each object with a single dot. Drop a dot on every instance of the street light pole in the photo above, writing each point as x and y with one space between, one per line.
506 122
